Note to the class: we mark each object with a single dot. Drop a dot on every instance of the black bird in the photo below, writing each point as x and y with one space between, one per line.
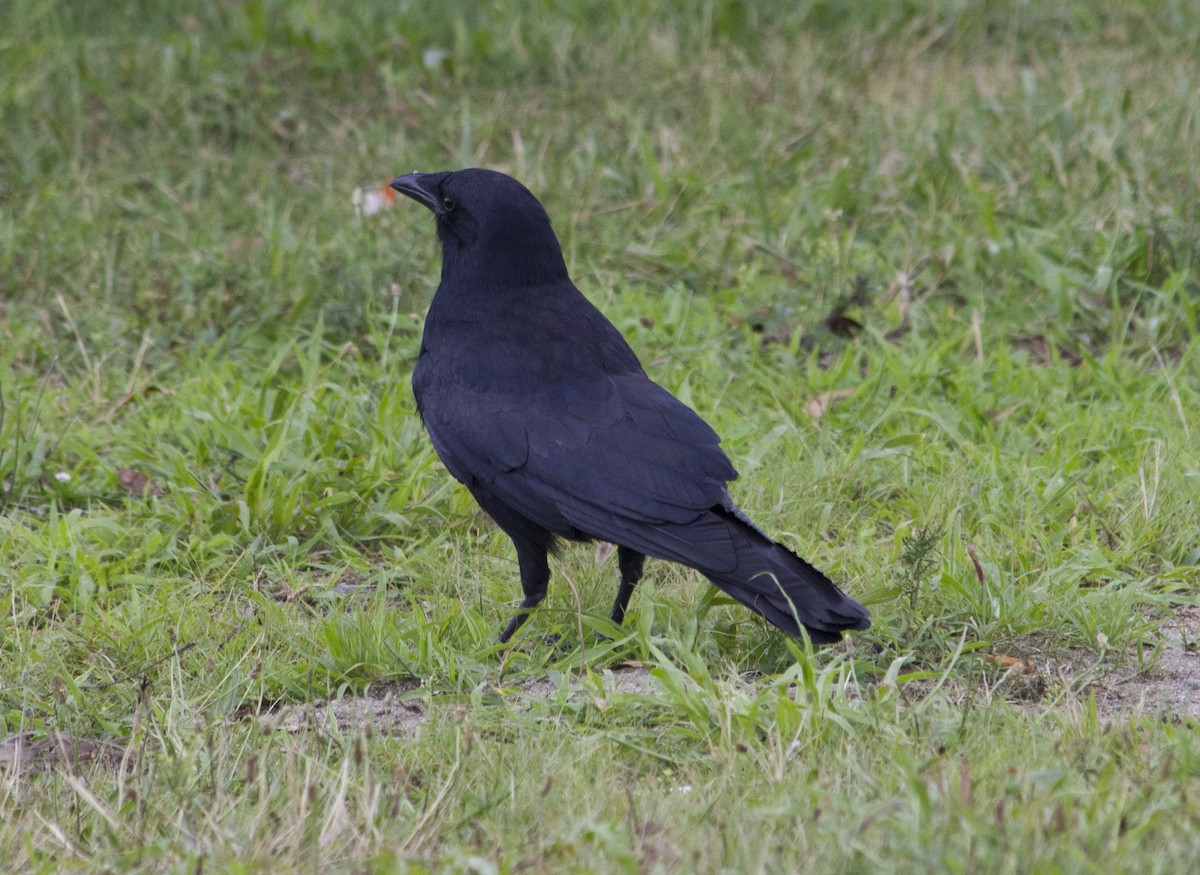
537 404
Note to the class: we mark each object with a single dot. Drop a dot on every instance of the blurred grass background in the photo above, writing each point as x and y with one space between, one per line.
965 231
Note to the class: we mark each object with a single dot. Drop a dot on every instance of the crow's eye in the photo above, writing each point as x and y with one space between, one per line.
448 203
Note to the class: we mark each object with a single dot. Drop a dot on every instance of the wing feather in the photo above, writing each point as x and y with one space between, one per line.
619 459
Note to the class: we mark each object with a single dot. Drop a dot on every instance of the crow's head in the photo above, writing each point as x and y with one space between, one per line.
489 225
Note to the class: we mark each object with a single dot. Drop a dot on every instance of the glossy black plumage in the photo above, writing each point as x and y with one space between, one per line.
537 404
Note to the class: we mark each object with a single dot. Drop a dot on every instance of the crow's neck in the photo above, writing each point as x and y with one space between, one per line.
510 258
500 292
527 270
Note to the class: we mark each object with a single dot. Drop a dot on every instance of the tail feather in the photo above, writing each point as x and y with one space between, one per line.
743 562
771 580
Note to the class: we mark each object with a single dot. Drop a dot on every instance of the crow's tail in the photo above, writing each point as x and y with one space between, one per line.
773 581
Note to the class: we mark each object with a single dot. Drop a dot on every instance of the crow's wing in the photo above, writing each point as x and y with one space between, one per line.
615 457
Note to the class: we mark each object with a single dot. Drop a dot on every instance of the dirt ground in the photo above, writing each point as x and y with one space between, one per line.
400 709
1168 686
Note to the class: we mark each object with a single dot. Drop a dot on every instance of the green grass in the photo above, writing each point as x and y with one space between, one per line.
977 222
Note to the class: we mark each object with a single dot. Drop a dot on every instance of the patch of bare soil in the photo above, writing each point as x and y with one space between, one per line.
388 708
392 709
22 752
627 677
1171 687
1168 688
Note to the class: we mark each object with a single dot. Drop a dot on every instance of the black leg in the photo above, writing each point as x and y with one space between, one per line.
630 563
535 577
533 544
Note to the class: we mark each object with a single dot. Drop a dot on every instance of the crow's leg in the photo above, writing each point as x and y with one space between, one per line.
535 576
630 563
533 543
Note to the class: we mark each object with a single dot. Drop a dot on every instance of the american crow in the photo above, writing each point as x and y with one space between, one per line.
537 404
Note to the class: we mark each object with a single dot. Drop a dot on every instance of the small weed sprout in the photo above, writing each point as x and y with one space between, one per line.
918 557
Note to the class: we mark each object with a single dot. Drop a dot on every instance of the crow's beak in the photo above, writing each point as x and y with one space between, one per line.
421 187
